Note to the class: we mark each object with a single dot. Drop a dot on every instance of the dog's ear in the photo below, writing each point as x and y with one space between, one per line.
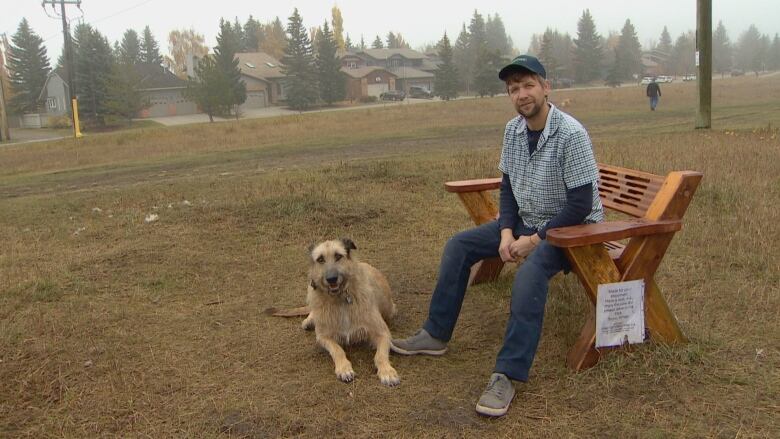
310 249
348 245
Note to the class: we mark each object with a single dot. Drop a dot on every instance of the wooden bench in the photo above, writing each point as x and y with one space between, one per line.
654 205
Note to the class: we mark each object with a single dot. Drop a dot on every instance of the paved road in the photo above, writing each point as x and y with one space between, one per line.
30 135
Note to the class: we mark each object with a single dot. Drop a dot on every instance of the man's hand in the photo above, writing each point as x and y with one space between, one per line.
504 248
523 246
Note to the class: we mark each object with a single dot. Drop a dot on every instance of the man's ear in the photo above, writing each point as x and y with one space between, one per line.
348 245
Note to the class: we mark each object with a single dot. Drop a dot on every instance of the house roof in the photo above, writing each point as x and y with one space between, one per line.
362 72
411 73
259 65
387 53
154 76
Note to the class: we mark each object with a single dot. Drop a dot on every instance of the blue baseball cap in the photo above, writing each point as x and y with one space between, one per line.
523 62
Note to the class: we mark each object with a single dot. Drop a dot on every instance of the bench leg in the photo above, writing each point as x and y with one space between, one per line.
583 354
485 271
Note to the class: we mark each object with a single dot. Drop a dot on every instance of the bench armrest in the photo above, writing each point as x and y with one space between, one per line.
587 234
482 184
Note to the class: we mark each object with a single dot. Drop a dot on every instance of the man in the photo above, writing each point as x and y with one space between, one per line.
653 92
549 180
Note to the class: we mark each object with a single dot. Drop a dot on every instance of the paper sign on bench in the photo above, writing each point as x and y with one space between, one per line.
620 313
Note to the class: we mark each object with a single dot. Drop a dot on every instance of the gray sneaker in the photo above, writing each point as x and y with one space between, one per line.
420 343
497 396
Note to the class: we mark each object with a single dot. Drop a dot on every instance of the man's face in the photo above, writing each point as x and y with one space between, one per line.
528 93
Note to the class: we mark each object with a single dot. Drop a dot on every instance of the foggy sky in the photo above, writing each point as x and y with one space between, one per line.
419 22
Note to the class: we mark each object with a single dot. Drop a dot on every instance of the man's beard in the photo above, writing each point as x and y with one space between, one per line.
535 109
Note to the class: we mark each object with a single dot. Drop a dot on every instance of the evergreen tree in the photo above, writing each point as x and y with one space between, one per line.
238 36
486 82
721 50
446 82
150 50
130 49
748 54
253 35
665 43
93 68
298 65
462 60
377 44
588 50
362 43
628 54
348 44
682 61
774 54
29 68
228 43
332 86
123 98
207 87
546 55
497 38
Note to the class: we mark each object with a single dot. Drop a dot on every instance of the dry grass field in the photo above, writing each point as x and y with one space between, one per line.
114 327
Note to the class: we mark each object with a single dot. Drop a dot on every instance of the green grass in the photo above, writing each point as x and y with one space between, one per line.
110 326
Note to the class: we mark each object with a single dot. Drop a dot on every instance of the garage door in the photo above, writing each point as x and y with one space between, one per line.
376 89
254 99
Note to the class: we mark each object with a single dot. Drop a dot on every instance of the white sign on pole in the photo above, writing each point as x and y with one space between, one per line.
620 313
697 58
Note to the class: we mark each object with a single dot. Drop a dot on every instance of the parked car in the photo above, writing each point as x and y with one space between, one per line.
419 93
737 72
665 79
393 95
689 77
647 79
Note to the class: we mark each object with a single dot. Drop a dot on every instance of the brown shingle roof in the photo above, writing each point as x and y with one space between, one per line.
362 72
259 65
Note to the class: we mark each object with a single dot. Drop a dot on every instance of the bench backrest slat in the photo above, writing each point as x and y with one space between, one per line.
627 190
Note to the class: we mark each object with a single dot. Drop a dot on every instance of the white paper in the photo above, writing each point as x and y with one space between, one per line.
620 313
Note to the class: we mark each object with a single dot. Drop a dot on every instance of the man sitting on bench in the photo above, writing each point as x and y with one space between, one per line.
550 179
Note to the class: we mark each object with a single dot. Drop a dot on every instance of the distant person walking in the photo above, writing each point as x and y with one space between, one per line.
654 93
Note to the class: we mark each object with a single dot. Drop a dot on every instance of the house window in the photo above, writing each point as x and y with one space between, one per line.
396 62
352 65
378 79
51 103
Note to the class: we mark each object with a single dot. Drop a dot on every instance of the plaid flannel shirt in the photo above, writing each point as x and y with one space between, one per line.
563 160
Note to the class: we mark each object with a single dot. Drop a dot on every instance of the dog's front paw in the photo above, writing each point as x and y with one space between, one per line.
389 377
307 324
345 372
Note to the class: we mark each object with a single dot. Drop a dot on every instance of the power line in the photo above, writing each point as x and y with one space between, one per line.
99 19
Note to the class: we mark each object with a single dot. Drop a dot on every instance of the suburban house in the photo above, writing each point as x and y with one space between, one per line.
653 62
162 89
406 67
368 81
264 79
55 100
165 92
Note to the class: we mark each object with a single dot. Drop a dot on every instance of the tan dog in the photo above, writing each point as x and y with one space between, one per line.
349 302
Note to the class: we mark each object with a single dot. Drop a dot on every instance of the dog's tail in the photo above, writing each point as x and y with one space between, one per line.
289 312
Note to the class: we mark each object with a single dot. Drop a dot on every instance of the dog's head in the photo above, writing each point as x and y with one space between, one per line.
331 265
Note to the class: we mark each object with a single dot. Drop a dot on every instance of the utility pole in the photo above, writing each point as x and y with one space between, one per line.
5 133
67 47
704 62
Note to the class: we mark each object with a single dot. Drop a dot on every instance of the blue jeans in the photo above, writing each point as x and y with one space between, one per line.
529 293
653 102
